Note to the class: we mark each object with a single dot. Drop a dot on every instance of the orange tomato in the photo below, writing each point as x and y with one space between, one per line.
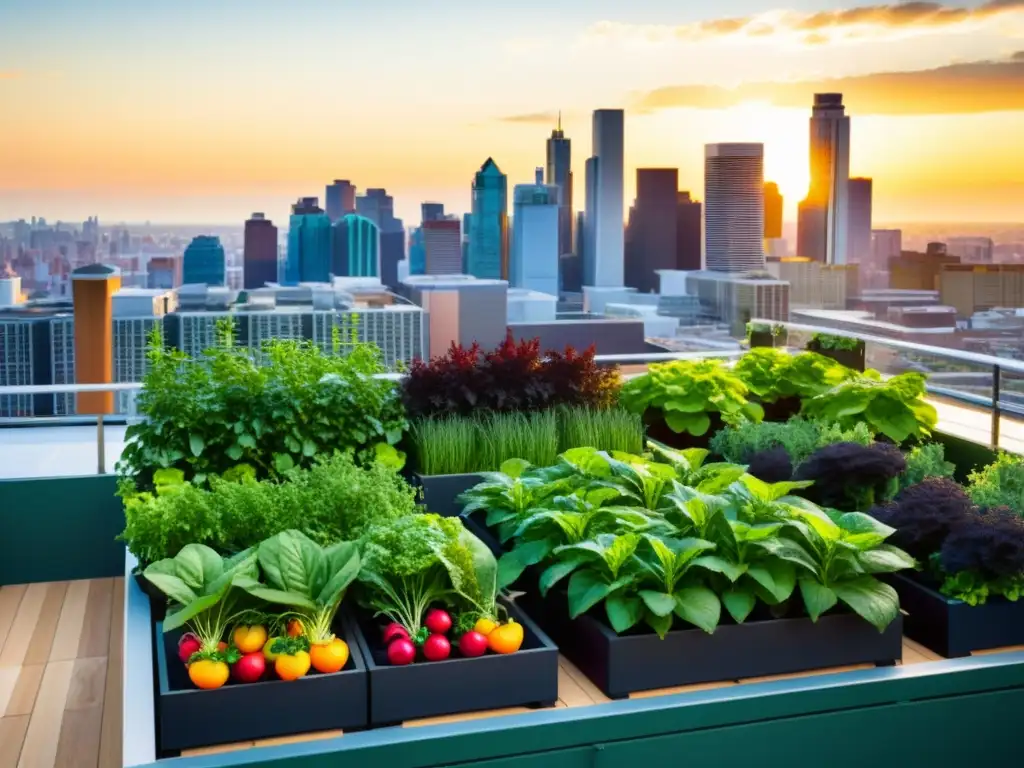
222 646
207 674
331 656
295 628
292 666
506 638
485 626
250 639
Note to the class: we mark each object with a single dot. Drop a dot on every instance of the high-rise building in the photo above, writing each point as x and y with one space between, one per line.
585 240
417 252
431 211
259 253
340 199
392 251
309 244
772 211
94 287
652 235
734 207
823 227
442 247
204 261
858 249
605 215
165 272
689 226
488 238
971 250
559 174
533 263
979 287
135 313
379 207
355 249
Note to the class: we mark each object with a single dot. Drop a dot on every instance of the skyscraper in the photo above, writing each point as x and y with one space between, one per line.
734 207
431 211
93 288
488 238
651 240
341 199
534 262
392 251
823 225
379 207
689 223
355 247
442 247
204 261
559 174
605 218
309 244
585 239
772 211
259 255
859 236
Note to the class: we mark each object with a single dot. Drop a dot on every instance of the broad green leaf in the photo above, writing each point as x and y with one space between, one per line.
292 562
791 551
180 616
624 612
196 444
555 572
783 574
660 624
515 467
658 603
731 571
821 524
739 602
697 424
276 596
817 597
586 589
886 559
234 452
872 600
343 565
197 565
171 585
283 463
510 568
763 576
699 606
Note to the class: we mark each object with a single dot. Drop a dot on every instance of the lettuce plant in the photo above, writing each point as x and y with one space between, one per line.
772 374
1000 484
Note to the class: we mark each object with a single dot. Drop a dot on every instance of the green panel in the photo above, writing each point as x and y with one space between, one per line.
583 757
57 529
966 455
962 731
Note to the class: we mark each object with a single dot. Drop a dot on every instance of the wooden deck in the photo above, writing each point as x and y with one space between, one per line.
60 678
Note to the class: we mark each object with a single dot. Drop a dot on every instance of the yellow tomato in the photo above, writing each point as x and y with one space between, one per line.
250 639
268 652
485 626
207 674
331 656
292 666
506 638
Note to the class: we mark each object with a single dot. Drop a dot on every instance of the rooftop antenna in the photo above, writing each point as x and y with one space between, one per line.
559 119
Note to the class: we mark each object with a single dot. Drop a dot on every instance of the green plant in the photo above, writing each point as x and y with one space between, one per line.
446 445
532 437
334 500
923 461
606 429
799 437
772 374
831 341
773 328
273 409
893 407
1000 484
686 391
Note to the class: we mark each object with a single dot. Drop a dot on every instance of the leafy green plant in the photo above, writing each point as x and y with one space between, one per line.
446 445
686 391
831 341
1000 484
606 429
274 408
923 461
306 577
894 407
199 583
532 437
772 374
799 437
773 328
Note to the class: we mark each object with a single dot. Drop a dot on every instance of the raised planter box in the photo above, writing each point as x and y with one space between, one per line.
441 491
768 339
851 358
528 677
157 599
952 628
620 665
188 718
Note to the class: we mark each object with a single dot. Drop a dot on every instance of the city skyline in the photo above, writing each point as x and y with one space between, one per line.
233 127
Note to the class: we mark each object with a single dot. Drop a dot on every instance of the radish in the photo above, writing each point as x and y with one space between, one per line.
473 644
249 668
187 645
438 621
437 647
393 631
401 651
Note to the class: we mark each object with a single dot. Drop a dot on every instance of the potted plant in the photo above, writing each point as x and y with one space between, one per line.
846 350
766 335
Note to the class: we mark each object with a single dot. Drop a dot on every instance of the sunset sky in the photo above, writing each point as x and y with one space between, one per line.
198 111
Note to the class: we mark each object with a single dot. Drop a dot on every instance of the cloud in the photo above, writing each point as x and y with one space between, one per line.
863 22
970 87
532 118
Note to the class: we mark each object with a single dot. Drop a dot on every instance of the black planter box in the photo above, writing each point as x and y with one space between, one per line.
188 717
528 677
952 628
620 665
768 339
441 491
157 599
851 358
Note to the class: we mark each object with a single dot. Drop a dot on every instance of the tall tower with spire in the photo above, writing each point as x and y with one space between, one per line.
559 174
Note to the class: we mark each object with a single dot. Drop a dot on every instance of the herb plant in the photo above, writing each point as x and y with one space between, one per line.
799 437
924 461
1000 484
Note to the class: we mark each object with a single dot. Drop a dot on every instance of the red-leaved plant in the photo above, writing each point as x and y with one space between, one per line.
512 377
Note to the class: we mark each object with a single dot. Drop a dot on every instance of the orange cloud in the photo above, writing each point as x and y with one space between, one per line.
870 21
971 87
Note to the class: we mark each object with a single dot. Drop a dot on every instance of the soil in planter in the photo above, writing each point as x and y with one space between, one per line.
658 430
782 409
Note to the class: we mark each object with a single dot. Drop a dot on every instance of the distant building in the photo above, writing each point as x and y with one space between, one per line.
432 211
534 262
916 271
355 247
652 241
859 222
886 244
735 299
772 211
972 288
460 309
93 288
733 207
604 266
689 226
442 247
204 261
340 199
309 244
379 207
37 343
392 252
814 285
135 313
488 236
971 250
823 228
586 240
417 252
559 174
165 272
259 252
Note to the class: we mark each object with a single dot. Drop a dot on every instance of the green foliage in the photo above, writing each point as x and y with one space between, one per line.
606 429
773 328
799 437
1000 484
771 374
927 460
272 409
831 341
893 407
686 391
334 500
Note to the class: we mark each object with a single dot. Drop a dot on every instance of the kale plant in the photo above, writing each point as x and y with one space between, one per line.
852 477
924 514
984 556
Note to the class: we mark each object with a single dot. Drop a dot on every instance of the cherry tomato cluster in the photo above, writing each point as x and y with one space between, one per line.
432 638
